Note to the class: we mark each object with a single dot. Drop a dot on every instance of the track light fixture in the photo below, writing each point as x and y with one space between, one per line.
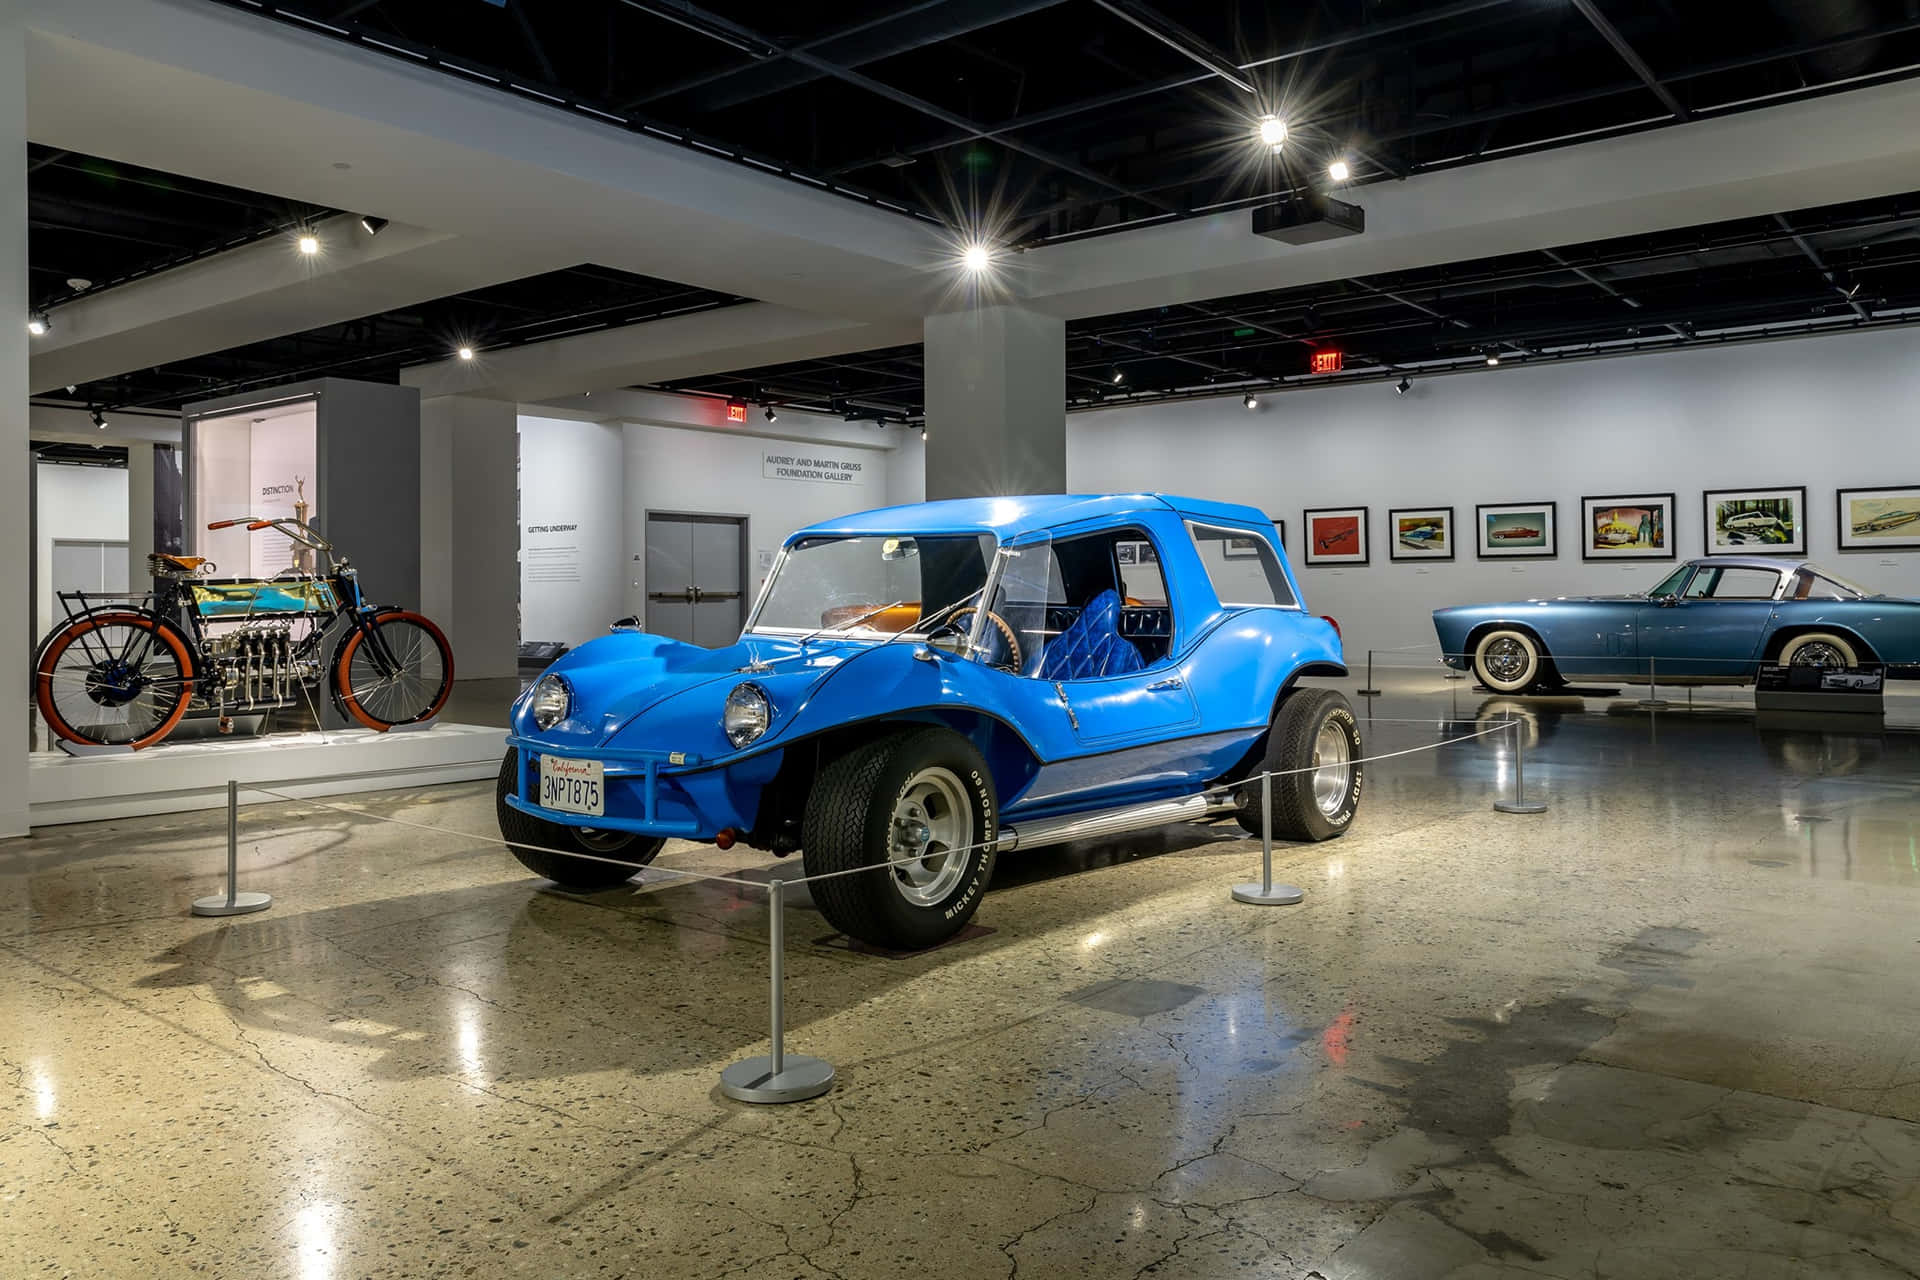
371 225
1250 400
923 435
976 257
1119 375
1271 132
309 243
38 324
465 353
1339 171
1402 387
1493 358
772 416
100 419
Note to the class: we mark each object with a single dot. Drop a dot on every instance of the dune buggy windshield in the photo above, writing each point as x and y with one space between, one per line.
871 585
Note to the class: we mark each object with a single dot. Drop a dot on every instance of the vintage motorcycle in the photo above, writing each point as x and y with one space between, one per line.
123 673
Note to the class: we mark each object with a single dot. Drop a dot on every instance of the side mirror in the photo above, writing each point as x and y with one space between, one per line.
628 623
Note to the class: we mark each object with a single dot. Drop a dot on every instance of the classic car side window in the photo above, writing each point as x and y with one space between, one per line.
1809 585
1084 607
1241 566
1670 585
1733 583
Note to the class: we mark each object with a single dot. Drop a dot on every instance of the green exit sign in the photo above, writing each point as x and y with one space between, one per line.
1243 333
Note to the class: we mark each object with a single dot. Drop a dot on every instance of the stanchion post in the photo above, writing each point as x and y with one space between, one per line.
1267 893
1519 802
1653 698
1369 691
234 902
773 1076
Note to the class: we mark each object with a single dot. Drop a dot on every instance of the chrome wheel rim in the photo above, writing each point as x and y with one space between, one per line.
602 841
1819 654
1505 658
1332 768
927 839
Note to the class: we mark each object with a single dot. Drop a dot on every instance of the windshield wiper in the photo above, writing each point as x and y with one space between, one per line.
925 625
850 622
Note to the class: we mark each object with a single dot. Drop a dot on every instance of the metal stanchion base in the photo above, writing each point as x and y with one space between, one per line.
1267 895
242 904
1508 806
752 1079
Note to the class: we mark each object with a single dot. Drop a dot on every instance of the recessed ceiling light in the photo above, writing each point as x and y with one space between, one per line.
465 353
1271 131
309 243
976 257
1339 171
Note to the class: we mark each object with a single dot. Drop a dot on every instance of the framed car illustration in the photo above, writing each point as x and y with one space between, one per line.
1335 535
1633 527
1420 533
1516 529
1755 521
1879 519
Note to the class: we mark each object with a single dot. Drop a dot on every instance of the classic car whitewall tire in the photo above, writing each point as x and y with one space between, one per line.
920 799
1314 731
1819 649
1507 660
535 840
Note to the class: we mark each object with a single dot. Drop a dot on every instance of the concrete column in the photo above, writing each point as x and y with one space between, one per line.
16 463
470 530
996 384
139 510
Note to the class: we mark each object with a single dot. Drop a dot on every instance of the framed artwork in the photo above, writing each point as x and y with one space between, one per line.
1336 535
1516 529
1632 527
1755 521
1280 531
1879 519
1420 533
1130 553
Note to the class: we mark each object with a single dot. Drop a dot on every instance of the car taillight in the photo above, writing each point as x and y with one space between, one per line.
1334 624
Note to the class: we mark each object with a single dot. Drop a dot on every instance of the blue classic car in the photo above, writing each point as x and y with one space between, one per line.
1711 621
920 688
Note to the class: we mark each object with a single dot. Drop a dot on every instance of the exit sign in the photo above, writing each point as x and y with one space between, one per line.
736 411
1326 361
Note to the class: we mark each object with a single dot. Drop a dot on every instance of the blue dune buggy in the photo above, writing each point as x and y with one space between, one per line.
926 687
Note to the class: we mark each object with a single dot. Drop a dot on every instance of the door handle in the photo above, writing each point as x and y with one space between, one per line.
1161 686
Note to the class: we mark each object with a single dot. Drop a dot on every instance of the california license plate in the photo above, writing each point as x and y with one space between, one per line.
573 786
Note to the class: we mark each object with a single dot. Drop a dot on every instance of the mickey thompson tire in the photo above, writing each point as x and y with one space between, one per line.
1314 729
921 799
530 838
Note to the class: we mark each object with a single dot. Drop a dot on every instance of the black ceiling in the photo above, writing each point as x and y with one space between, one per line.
1851 265
1040 119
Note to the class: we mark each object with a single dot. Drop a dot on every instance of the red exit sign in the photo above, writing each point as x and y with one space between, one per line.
736 412
1327 360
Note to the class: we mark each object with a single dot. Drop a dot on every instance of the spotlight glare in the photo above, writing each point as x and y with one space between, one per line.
976 257
1250 400
38 325
1339 171
465 353
1493 358
1272 131
1403 387
309 244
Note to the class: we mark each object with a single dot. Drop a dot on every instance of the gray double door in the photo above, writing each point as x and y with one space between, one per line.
696 568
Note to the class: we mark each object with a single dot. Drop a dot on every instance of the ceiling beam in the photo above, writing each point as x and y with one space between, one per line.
1179 39
1813 256
1629 55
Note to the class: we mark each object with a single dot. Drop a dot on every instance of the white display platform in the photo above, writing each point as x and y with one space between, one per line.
193 775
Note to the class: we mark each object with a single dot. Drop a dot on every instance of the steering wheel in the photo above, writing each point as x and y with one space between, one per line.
1010 657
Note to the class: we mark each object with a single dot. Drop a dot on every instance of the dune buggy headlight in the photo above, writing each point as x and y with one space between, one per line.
747 714
552 700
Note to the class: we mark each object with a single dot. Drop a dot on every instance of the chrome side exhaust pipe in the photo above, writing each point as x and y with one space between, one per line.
1115 822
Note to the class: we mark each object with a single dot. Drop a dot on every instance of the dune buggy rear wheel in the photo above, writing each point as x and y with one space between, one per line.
920 800
1314 747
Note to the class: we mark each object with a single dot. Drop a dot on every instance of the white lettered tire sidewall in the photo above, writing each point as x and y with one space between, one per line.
1502 637
1840 644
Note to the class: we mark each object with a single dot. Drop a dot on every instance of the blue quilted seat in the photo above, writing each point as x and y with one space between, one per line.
1092 646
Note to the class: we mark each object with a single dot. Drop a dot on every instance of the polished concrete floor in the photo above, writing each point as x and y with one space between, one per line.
1667 1029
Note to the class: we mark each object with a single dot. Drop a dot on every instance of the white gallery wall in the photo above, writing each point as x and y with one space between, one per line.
1836 411
87 504
586 488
